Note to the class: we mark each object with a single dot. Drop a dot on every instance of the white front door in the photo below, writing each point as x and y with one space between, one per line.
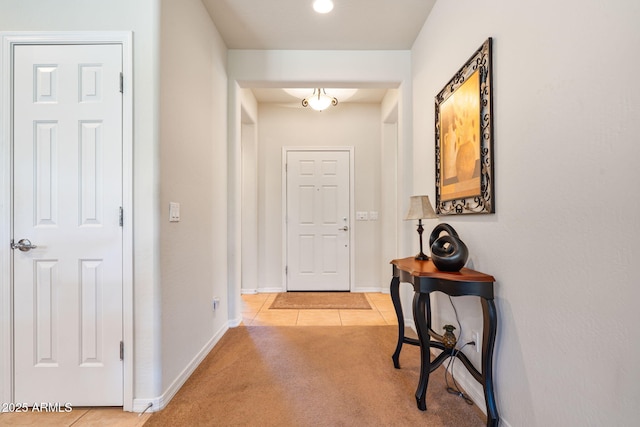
67 196
318 204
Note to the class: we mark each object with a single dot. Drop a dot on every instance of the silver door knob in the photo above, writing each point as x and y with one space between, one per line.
24 245
345 228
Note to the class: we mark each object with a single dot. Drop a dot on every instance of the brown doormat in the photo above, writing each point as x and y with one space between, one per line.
320 300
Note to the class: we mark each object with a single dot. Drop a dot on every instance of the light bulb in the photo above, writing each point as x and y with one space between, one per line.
323 6
319 102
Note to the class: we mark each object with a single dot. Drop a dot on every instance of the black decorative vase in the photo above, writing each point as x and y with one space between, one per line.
448 252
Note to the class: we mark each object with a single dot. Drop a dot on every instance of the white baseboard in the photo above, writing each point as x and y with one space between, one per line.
370 289
275 289
159 403
139 405
233 323
271 290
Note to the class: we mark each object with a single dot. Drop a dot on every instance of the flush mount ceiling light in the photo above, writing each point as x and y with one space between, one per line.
323 6
343 94
319 100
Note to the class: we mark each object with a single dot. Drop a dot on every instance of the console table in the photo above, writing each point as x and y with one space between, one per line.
426 278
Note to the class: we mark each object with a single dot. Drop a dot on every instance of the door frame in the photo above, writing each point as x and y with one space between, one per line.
8 40
351 151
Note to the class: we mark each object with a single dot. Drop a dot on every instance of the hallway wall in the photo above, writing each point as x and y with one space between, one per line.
193 120
565 236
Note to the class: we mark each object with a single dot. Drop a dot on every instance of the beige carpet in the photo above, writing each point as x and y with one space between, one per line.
312 376
320 300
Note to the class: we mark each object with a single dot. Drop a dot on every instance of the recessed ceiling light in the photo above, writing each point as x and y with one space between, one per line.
323 6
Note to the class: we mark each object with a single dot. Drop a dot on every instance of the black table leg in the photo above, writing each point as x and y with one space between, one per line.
488 341
395 298
421 305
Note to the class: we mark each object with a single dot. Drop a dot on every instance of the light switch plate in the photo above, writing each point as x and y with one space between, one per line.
174 212
373 215
362 216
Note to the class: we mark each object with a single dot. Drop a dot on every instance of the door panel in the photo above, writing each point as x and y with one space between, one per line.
67 192
318 199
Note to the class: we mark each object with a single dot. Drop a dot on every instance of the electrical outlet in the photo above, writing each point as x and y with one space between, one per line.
476 337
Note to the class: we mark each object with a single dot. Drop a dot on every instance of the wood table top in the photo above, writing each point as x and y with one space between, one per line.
426 268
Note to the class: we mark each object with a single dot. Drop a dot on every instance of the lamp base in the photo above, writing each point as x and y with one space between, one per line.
422 257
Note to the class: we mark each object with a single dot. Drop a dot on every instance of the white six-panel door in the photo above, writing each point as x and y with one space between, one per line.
317 218
67 194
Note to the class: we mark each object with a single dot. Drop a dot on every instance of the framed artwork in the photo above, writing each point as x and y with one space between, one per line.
464 139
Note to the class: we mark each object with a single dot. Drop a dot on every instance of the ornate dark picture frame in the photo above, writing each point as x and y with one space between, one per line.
464 139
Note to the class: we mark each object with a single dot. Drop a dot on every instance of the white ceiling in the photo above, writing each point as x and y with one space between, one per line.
293 24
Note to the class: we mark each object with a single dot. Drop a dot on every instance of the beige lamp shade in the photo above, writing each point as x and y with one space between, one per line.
420 208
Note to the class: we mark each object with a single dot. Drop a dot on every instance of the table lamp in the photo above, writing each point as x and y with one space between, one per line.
420 208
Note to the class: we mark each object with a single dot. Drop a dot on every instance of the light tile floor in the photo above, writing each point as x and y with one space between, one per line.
78 417
255 312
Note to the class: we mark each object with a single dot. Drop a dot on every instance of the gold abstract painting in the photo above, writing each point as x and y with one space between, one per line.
460 159
464 139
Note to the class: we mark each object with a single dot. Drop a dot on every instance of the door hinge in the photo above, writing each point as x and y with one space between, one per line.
121 350
121 217
121 83
286 269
